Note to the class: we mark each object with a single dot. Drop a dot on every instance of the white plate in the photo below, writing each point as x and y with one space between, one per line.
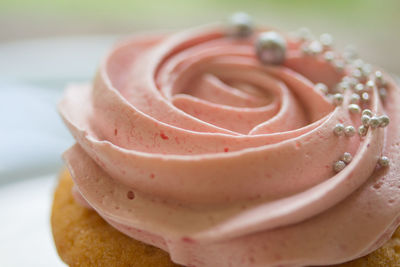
25 234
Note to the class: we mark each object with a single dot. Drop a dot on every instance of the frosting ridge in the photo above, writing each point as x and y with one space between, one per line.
226 154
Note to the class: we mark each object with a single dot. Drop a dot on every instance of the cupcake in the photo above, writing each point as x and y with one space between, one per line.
231 145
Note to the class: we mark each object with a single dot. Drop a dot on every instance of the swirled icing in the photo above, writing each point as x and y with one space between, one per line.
187 142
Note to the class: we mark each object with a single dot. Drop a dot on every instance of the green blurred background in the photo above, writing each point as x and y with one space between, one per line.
372 25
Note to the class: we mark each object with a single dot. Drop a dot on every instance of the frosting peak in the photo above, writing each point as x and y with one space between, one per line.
230 160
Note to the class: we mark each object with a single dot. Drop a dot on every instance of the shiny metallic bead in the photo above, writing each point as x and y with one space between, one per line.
346 79
367 112
339 165
366 69
305 49
347 157
365 120
329 56
356 74
384 161
338 99
354 108
348 58
370 85
383 93
383 121
358 63
342 87
349 131
339 65
359 88
350 53
326 39
354 98
379 78
374 122
315 47
241 25
271 48
378 75
304 34
362 130
350 80
338 129
365 97
321 87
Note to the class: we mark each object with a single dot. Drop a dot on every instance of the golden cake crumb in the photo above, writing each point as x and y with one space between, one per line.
387 255
83 238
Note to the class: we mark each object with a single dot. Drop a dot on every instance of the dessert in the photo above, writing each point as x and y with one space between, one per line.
238 146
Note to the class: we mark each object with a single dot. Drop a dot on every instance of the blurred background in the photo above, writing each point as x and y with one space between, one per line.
46 44
373 25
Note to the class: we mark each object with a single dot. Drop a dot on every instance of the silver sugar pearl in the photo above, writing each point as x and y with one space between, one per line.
362 130
347 157
329 56
354 98
366 69
271 48
349 131
338 129
304 34
348 58
241 25
339 65
354 108
370 85
383 93
365 120
359 88
346 79
379 78
367 112
350 80
356 74
305 49
383 121
321 87
339 165
315 47
374 122
326 39
384 161
365 97
342 87
378 75
350 53
337 99
358 63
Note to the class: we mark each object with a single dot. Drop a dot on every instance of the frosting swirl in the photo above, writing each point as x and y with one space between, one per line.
187 142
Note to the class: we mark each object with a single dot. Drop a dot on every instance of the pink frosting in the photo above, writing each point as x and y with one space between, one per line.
188 143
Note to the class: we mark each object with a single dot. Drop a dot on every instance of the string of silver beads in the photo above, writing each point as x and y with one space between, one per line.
342 163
